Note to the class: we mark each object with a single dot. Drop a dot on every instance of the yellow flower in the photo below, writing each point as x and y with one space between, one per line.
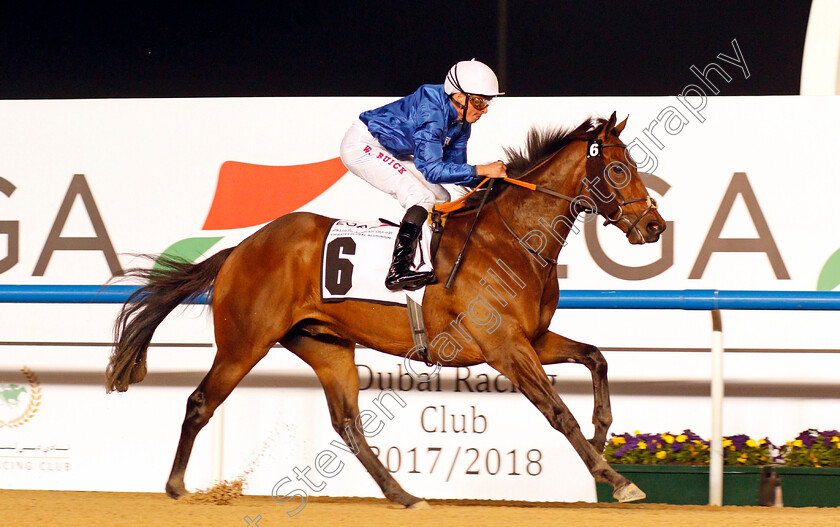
762 441
727 442
636 432
682 438
798 442
661 454
751 443
835 439
742 458
618 440
642 445
668 438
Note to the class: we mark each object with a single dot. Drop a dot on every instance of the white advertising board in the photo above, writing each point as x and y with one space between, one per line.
748 186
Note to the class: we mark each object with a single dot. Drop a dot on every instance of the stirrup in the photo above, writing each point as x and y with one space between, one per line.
418 330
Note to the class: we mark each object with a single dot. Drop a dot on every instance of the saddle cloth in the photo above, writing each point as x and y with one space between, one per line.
356 258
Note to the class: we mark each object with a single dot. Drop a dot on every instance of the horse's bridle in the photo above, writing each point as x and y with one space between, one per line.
615 192
617 199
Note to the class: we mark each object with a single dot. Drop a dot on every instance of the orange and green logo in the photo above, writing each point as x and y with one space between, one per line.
248 195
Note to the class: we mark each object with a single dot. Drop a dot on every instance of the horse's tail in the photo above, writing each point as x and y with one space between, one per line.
169 283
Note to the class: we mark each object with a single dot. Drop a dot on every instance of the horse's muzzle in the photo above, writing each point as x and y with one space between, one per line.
647 232
654 229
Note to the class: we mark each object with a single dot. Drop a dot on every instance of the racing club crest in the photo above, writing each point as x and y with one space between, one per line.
19 401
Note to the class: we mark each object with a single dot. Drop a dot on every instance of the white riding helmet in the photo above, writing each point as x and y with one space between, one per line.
473 77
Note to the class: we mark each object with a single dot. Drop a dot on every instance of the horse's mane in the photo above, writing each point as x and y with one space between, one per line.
543 143
539 146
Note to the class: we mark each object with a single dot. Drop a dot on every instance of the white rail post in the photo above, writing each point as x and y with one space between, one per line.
716 455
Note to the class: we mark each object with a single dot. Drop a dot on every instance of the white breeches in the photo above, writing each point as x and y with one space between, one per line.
362 154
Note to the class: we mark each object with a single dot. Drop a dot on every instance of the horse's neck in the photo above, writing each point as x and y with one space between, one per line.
527 212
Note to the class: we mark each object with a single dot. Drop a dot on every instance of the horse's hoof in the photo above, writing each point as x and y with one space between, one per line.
175 492
629 492
419 506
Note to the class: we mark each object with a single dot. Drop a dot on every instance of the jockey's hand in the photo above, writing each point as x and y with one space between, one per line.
496 169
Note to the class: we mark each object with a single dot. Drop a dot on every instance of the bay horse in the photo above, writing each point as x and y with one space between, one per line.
267 290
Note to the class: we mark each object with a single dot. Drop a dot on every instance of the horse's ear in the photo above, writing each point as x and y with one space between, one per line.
620 126
610 124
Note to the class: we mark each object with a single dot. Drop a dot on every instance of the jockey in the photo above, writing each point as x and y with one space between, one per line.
412 146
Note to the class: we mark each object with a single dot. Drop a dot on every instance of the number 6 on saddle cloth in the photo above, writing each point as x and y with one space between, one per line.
355 261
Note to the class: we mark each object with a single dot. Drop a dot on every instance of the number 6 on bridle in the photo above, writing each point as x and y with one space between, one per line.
266 290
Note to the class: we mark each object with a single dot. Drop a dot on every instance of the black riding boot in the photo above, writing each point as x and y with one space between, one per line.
400 275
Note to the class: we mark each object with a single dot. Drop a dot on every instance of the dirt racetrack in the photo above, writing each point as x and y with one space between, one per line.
89 509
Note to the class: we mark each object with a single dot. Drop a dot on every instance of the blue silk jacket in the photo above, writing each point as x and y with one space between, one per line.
425 124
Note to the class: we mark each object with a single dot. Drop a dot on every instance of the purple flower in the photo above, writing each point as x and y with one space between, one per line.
739 441
691 435
807 437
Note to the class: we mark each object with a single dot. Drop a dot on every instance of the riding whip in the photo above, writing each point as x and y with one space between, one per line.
457 263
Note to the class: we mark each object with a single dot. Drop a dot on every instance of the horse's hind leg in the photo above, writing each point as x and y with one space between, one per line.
229 367
554 349
335 367
519 363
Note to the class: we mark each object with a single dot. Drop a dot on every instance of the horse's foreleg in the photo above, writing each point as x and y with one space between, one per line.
554 349
335 367
224 375
521 365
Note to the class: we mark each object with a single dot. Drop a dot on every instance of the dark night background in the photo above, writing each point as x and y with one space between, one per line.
389 48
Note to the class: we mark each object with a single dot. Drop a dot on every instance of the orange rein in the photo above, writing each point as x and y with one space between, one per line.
458 204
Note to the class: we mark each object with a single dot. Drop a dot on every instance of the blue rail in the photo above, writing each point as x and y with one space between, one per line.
700 299
691 299
73 294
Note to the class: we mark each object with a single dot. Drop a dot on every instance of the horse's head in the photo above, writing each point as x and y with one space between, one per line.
615 189
590 170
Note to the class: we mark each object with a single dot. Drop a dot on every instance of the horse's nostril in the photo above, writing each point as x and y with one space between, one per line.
653 227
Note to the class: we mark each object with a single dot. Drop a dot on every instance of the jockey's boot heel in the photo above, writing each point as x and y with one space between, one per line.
400 275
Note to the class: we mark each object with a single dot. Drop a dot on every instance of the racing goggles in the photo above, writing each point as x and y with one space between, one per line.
479 102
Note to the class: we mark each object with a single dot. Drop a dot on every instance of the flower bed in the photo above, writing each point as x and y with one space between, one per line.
688 484
813 449
686 448
811 475
674 468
